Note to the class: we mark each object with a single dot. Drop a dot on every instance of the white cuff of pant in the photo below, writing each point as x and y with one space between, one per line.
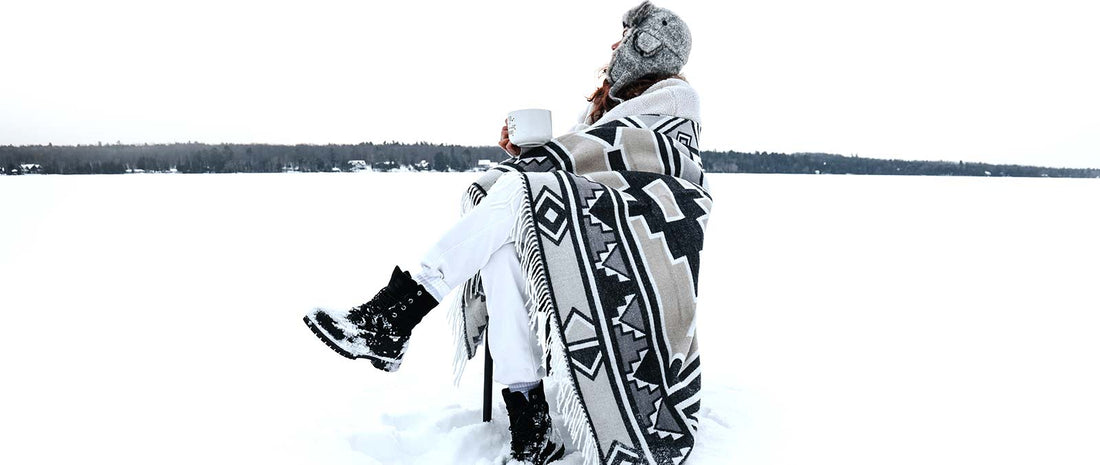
433 282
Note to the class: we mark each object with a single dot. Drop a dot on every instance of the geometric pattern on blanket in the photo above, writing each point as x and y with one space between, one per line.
610 240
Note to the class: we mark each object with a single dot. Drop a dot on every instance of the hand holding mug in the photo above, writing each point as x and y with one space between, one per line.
505 143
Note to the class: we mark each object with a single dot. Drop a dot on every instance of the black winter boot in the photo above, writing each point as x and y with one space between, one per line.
529 419
378 330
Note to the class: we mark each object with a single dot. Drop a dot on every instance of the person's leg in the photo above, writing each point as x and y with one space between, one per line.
517 359
380 329
466 247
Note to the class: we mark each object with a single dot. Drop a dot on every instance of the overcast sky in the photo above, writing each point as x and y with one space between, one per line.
993 81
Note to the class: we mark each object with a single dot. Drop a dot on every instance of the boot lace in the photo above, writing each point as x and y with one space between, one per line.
381 301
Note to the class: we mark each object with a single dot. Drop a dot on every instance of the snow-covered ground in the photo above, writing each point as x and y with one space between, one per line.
843 319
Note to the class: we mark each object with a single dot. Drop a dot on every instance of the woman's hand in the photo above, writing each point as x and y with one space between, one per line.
506 144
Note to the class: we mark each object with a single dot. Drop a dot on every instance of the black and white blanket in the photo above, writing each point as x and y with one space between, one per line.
610 238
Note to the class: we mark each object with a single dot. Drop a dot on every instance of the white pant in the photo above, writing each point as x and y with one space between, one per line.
482 240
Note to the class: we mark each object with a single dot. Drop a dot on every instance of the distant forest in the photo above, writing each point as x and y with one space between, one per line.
262 158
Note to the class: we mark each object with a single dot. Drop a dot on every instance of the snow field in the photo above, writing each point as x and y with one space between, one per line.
855 319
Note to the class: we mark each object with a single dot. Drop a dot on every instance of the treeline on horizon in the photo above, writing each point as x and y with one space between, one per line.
265 158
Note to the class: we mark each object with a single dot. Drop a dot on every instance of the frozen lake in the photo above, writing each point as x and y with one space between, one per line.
843 319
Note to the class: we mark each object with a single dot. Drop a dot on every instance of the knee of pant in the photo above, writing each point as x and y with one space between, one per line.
507 182
507 188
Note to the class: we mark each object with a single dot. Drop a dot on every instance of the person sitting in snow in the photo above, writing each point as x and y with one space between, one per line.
496 251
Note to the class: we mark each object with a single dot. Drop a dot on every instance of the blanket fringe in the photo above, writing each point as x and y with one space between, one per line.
456 315
458 330
569 400
537 286
471 198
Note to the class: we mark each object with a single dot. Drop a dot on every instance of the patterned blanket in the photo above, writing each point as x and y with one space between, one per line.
609 239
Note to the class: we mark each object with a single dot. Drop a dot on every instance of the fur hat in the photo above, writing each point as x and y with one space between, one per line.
657 42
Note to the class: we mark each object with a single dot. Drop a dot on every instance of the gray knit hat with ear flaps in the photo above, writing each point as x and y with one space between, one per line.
657 42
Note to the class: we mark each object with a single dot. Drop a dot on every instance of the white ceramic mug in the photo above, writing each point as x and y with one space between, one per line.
529 128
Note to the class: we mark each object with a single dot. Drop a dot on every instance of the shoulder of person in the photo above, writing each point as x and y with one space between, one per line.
672 97
676 97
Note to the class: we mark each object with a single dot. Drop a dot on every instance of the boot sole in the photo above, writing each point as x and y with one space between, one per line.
551 453
379 363
324 338
558 453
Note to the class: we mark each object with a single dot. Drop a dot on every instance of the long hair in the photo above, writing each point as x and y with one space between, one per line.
601 98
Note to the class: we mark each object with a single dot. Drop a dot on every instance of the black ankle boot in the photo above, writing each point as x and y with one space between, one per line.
529 422
378 330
